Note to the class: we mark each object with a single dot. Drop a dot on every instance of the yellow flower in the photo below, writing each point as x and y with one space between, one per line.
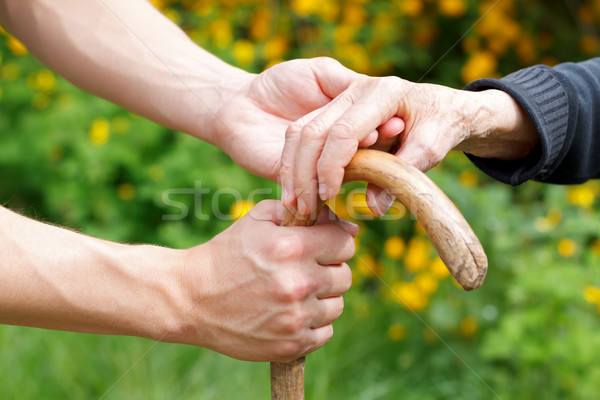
480 65
343 34
417 256
44 80
126 191
173 16
243 52
396 332
160 3
367 266
99 132
16 47
468 327
276 47
591 294
394 247
410 296
397 209
260 26
427 283
581 195
358 204
452 8
241 208
438 268
306 7
329 10
156 172
221 33
411 8
354 14
467 178
567 248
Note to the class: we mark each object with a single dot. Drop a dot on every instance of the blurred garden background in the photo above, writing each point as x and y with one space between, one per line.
408 332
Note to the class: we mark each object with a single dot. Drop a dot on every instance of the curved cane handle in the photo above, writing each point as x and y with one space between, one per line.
449 232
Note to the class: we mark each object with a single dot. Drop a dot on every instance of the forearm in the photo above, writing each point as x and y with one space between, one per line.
58 279
498 127
128 53
562 105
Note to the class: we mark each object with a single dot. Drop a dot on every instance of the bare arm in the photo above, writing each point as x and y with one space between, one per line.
128 53
239 294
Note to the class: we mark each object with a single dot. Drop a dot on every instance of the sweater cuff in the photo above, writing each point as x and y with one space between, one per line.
540 92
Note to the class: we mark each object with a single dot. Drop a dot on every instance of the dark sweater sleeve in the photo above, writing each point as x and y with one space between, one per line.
564 105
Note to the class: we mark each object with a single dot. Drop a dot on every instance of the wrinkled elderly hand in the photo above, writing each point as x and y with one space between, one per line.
432 121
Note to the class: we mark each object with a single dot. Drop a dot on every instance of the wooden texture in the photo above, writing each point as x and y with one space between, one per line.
447 229
287 380
449 232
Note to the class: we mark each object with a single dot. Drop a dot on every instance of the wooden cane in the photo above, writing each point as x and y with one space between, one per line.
451 235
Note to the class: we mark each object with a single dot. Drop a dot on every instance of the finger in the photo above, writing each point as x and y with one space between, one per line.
366 114
325 311
335 280
369 140
266 210
332 76
318 338
329 243
312 139
388 134
378 200
327 216
286 169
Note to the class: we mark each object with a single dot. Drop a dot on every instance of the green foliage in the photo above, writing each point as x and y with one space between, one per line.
407 332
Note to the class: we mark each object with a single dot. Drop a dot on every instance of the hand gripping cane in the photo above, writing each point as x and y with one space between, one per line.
450 234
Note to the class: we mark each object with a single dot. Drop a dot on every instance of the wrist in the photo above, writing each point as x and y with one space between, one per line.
498 126
156 299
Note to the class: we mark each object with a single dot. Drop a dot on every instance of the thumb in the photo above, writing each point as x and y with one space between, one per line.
332 76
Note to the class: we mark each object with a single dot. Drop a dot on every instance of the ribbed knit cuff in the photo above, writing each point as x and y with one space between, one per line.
541 93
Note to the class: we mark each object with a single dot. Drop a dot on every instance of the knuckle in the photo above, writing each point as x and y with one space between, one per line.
315 130
294 322
288 248
346 279
343 130
293 130
288 350
291 288
339 308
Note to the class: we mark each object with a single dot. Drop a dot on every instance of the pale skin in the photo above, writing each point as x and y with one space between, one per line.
433 120
128 53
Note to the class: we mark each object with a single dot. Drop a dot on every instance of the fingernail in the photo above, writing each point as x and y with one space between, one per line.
323 191
285 196
301 206
350 227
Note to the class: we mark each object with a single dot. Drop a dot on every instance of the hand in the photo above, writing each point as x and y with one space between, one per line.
271 292
434 120
250 126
